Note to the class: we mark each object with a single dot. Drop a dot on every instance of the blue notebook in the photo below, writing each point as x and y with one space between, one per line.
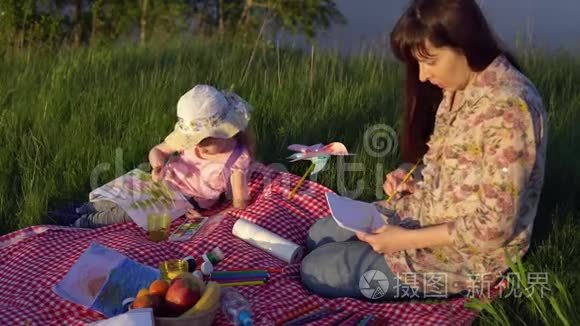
102 278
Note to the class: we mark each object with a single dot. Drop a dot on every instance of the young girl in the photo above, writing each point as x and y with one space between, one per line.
207 156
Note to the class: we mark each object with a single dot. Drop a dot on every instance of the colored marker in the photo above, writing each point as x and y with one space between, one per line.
242 283
316 315
299 312
365 320
226 276
232 276
350 321
214 274
238 279
262 272
346 320
376 321
269 270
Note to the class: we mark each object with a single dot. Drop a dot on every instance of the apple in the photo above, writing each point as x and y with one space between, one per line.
159 287
193 282
147 301
180 283
142 292
180 297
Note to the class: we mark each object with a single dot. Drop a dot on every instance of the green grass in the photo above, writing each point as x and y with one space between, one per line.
557 304
64 115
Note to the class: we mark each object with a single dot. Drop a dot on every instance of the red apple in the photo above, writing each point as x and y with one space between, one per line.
180 297
179 282
190 281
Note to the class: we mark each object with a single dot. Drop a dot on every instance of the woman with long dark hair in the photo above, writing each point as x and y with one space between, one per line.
479 127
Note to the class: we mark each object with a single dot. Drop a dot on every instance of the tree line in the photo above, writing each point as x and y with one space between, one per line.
76 23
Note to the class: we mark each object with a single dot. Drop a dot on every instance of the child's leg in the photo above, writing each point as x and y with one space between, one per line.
85 208
114 215
96 206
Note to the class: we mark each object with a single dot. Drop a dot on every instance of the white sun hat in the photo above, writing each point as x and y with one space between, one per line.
205 112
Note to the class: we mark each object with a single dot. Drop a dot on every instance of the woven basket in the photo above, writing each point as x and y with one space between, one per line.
201 319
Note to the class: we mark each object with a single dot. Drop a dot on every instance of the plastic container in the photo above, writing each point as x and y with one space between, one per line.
169 269
158 227
236 307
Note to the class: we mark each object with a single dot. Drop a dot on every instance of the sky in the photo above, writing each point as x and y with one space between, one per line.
548 24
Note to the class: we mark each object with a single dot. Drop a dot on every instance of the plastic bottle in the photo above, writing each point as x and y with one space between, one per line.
236 307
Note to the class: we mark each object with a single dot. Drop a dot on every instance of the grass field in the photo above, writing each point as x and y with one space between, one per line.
64 116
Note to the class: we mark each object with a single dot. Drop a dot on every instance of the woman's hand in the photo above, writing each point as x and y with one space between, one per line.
393 183
388 239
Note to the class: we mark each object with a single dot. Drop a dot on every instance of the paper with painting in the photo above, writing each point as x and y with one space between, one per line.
140 196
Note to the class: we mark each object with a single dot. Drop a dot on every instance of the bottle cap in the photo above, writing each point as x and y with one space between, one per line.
218 253
245 318
205 257
214 256
191 263
206 268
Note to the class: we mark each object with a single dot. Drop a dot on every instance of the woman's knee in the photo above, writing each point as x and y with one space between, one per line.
332 270
315 233
324 231
319 272
335 270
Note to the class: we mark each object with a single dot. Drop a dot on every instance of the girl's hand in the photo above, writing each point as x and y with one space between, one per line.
157 158
158 155
192 214
393 183
157 174
240 204
240 189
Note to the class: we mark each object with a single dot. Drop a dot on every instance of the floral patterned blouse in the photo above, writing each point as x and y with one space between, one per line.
483 172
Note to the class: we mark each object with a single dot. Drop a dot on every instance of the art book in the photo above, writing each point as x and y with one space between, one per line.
139 196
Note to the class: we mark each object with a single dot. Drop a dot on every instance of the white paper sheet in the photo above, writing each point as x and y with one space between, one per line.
354 215
135 317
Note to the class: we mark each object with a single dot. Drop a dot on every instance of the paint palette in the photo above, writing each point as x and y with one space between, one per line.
188 229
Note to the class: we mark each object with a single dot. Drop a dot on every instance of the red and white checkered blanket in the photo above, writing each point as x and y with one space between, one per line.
32 260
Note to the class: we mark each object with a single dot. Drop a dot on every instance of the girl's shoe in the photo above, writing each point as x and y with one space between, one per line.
67 215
